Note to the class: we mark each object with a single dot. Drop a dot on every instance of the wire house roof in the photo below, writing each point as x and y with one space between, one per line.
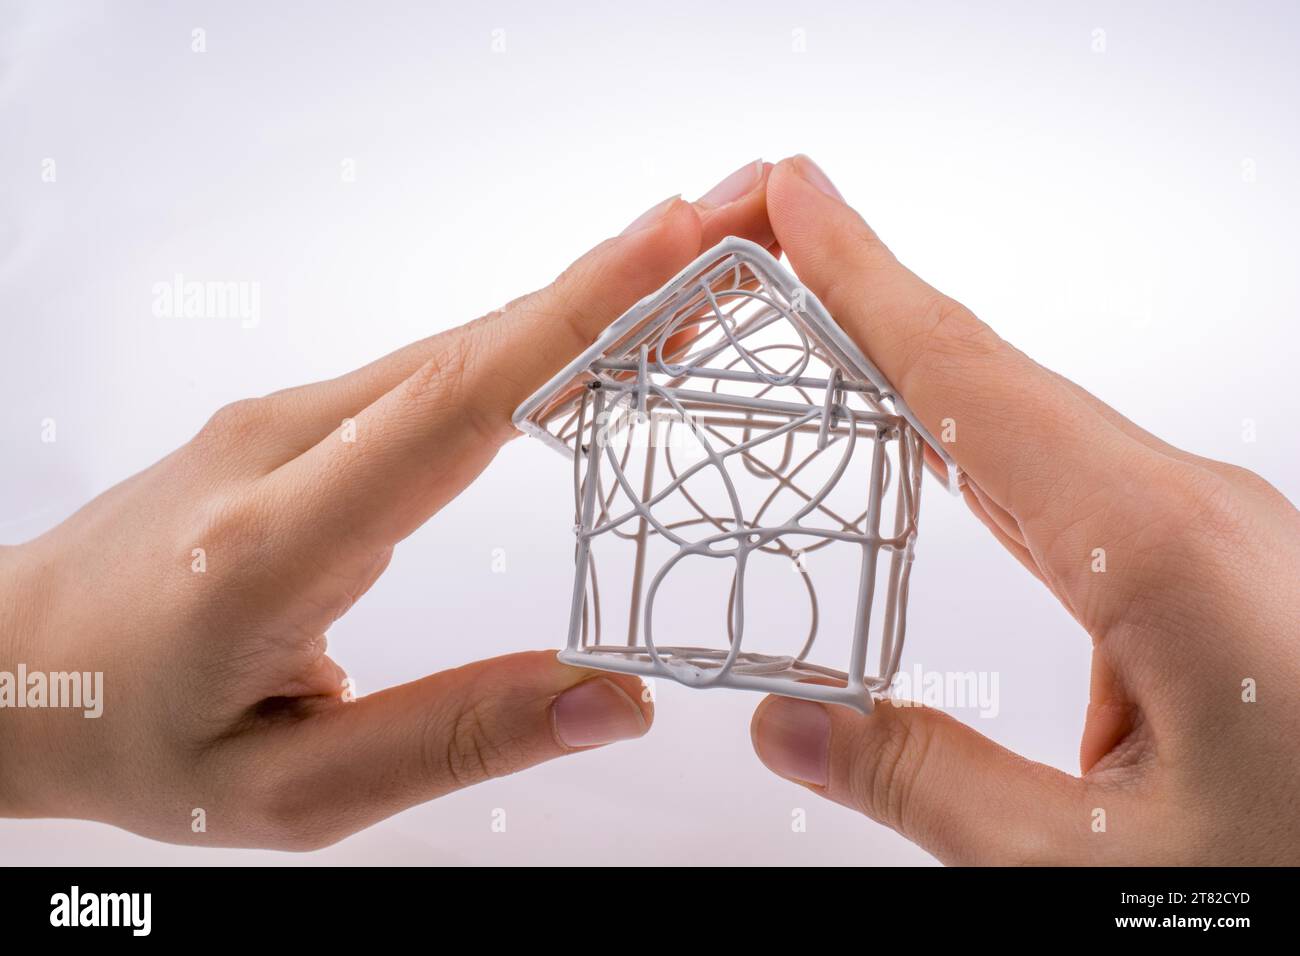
663 329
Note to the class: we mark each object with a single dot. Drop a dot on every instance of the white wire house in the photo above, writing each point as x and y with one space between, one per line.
727 438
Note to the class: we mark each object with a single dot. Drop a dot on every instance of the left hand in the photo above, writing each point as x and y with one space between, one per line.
218 692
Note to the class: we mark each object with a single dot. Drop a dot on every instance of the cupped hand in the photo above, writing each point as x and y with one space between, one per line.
202 587
1190 744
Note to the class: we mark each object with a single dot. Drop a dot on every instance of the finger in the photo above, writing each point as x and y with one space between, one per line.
734 207
1003 519
418 445
1014 544
381 474
1244 479
1131 428
945 787
1033 445
343 769
322 677
1112 713
737 206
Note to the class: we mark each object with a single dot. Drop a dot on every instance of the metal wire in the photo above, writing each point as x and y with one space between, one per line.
728 361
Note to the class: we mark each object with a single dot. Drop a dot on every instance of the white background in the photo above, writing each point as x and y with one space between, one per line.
1127 216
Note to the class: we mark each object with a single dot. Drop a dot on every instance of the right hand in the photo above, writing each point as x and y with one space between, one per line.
1201 593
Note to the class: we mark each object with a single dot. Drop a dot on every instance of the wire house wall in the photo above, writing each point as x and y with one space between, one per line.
720 438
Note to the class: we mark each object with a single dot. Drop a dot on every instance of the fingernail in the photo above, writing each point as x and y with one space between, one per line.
596 712
650 216
793 738
813 173
738 184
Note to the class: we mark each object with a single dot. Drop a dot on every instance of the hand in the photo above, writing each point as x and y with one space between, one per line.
1200 593
202 588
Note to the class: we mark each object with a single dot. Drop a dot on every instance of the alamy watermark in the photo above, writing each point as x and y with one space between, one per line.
75 908
969 690
660 428
183 298
73 690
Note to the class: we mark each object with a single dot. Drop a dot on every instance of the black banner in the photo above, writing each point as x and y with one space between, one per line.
914 906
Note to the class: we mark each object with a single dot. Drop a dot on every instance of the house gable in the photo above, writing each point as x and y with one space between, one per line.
696 290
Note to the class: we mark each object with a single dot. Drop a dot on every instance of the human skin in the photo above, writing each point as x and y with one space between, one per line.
1198 604
219 694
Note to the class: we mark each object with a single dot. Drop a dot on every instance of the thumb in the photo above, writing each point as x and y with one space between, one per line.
353 764
952 791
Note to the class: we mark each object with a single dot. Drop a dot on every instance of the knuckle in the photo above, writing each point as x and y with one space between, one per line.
1210 508
858 244
235 422
1249 481
441 384
841 292
947 335
439 376
469 750
225 522
1185 530
892 761
569 300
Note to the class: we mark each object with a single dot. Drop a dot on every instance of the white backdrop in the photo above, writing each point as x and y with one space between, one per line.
1114 189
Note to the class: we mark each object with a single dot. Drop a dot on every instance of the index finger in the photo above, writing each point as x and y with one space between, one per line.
1008 423
1075 482
375 479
